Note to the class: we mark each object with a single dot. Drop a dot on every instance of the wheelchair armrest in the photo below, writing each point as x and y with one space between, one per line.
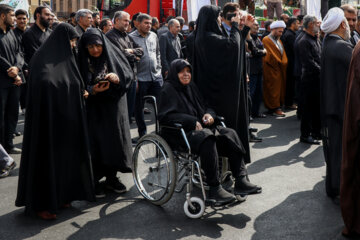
177 126
220 118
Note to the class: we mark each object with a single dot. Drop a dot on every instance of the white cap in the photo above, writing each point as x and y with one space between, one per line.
278 24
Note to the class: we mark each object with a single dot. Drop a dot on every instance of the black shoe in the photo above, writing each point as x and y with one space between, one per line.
309 140
244 187
99 191
316 136
221 196
253 130
116 185
254 138
134 141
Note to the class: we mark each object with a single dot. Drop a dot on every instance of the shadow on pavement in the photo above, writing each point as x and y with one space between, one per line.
303 215
142 220
291 156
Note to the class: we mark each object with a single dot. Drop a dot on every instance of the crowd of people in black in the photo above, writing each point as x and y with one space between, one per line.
81 83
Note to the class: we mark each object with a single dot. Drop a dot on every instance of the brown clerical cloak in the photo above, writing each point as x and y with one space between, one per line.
350 169
275 65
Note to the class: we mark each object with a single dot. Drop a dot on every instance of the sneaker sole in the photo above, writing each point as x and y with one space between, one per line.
100 195
115 190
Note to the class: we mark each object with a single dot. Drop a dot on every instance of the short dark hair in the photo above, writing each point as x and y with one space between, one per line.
5 9
267 24
169 18
134 17
154 21
142 17
291 21
38 10
192 24
230 7
95 14
21 12
73 14
300 18
104 23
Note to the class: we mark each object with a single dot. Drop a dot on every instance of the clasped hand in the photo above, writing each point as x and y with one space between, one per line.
207 120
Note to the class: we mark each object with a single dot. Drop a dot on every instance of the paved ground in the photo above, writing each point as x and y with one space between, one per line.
293 204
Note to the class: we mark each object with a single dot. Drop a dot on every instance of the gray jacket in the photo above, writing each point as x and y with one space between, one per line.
149 67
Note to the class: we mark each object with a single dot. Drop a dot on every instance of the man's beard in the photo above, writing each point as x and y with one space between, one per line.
347 32
8 24
45 23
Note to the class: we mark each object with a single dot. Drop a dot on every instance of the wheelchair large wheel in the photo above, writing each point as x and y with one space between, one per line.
154 169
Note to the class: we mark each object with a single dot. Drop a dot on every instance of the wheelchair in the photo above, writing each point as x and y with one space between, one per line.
159 171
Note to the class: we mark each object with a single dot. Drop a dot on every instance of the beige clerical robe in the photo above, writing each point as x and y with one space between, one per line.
274 84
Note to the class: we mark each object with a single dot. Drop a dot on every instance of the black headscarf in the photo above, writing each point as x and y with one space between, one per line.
179 98
114 58
207 21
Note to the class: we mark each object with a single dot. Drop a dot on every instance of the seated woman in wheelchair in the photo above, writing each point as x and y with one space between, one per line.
181 102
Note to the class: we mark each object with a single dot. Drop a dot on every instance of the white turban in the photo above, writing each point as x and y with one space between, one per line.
277 24
332 20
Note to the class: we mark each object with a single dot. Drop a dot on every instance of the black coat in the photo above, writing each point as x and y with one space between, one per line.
288 40
184 104
297 62
334 71
55 164
167 51
309 55
257 53
122 41
10 55
333 83
108 121
32 39
220 71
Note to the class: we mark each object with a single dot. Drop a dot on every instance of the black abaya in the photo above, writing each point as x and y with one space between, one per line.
55 163
334 71
220 73
108 120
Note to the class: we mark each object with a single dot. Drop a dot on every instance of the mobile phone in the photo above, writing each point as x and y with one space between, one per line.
229 16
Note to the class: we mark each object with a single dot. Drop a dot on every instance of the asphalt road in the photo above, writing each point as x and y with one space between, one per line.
293 204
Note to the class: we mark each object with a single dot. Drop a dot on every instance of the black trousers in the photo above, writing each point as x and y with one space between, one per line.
290 89
210 151
9 113
310 112
144 88
23 88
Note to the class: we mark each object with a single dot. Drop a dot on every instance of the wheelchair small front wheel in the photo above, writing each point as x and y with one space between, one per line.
197 211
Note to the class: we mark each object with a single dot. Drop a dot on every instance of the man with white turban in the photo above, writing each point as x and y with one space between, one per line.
309 56
335 61
275 64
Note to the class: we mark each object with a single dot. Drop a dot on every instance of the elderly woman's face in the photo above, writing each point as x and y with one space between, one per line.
185 76
95 50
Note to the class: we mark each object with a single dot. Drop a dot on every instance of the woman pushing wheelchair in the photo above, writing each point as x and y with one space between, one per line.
181 102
